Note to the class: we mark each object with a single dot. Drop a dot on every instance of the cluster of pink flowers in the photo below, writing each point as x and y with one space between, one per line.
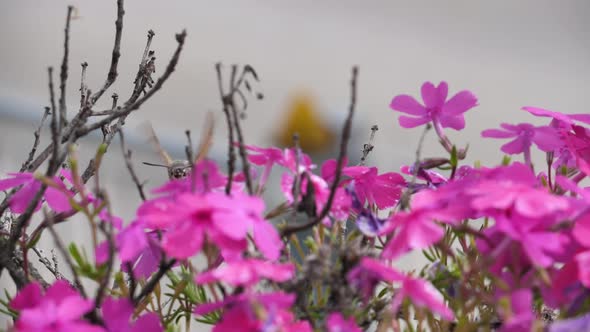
534 244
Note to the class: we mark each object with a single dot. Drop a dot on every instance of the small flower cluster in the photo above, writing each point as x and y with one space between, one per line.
504 243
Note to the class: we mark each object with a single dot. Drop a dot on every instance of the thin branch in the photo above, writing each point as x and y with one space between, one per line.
13 262
129 164
242 150
154 280
107 230
60 246
230 110
116 54
405 198
37 135
231 158
51 266
133 103
340 164
63 76
368 147
131 106
83 87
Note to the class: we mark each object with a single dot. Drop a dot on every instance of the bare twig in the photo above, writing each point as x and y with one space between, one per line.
405 198
231 158
154 280
37 135
63 76
60 246
231 113
13 262
242 150
83 87
107 229
116 54
129 164
340 164
130 105
50 265
368 147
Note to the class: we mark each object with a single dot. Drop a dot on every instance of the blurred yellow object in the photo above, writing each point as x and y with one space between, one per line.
303 117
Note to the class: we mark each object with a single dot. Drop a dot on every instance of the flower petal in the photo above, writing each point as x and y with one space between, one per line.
460 103
407 104
57 200
408 122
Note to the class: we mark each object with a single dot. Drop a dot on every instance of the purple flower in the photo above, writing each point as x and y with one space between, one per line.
117 315
436 108
545 138
520 316
370 271
60 309
337 323
247 273
57 199
577 324
250 312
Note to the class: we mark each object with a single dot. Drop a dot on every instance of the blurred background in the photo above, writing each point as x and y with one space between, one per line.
509 53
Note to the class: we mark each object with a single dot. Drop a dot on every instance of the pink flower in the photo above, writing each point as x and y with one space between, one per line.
255 312
337 323
117 315
60 309
191 218
545 138
369 272
321 192
578 145
134 246
436 108
520 317
247 273
57 199
382 190
564 118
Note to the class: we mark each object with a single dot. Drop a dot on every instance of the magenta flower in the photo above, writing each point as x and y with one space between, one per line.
521 316
117 315
545 138
255 312
135 246
336 323
59 309
578 145
369 272
436 108
321 192
382 190
57 199
191 218
247 273
564 118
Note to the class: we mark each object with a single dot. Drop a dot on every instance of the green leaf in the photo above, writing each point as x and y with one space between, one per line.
454 160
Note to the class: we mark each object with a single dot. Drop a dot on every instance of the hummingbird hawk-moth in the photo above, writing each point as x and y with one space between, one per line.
180 168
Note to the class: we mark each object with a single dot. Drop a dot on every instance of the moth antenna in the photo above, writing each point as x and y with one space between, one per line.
156 165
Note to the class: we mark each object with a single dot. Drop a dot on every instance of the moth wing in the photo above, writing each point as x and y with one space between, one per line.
206 138
153 138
